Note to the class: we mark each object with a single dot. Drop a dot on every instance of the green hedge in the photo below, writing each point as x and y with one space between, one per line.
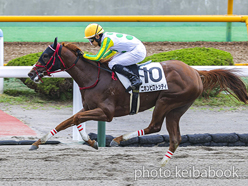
58 88
198 56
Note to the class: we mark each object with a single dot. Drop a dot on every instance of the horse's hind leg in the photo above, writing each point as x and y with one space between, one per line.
172 124
160 110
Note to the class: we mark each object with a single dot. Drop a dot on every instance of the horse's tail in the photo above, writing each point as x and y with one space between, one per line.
226 80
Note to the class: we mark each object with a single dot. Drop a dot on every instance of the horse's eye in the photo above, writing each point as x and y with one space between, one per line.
45 56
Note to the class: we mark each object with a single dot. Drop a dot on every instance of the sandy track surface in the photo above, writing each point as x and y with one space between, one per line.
75 164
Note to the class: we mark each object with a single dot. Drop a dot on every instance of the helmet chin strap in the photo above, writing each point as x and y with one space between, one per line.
98 40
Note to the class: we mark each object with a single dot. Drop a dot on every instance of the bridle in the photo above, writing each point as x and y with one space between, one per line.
54 63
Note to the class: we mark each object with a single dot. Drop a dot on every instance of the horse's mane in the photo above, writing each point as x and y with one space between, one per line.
72 47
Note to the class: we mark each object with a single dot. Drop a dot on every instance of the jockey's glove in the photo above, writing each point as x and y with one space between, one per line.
80 53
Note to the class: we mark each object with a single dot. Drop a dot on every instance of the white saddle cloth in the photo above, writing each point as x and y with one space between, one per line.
152 77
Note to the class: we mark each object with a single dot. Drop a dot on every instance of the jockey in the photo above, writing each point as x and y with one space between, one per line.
120 50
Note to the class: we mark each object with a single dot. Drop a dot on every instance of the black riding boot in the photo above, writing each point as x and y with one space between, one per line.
133 78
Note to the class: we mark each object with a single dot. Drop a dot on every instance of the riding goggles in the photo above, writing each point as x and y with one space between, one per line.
91 40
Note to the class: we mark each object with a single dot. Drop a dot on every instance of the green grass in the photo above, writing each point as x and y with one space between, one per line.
146 32
16 93
221 100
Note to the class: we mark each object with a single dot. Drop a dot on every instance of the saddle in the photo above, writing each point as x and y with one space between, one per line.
152 77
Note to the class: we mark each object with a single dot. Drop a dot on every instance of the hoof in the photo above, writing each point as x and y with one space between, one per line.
95 146
33 147
113 143
164 162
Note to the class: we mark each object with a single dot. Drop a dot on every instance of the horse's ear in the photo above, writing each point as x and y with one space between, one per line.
55 43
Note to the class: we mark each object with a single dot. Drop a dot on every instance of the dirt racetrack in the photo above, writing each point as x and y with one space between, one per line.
239 50
65 165
72 163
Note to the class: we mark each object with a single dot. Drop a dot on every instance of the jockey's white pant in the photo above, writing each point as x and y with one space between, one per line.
137 55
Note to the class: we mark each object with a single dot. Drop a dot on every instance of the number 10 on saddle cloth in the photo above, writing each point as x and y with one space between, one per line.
152 76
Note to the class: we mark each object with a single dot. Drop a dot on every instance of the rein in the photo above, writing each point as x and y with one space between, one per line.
92 86
98 66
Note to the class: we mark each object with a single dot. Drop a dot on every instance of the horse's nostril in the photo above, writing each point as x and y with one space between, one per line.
30 74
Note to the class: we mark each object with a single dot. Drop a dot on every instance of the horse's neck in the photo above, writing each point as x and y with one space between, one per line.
84 73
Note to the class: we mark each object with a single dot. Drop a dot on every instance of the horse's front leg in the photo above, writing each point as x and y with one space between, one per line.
82 116
65 124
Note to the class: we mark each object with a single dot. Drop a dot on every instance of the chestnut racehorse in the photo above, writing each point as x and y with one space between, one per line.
104 98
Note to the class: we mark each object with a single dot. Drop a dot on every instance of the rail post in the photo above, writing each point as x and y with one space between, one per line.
101 134
229 24
1 59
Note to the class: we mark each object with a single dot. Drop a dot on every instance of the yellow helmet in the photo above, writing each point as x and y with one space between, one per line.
92 30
